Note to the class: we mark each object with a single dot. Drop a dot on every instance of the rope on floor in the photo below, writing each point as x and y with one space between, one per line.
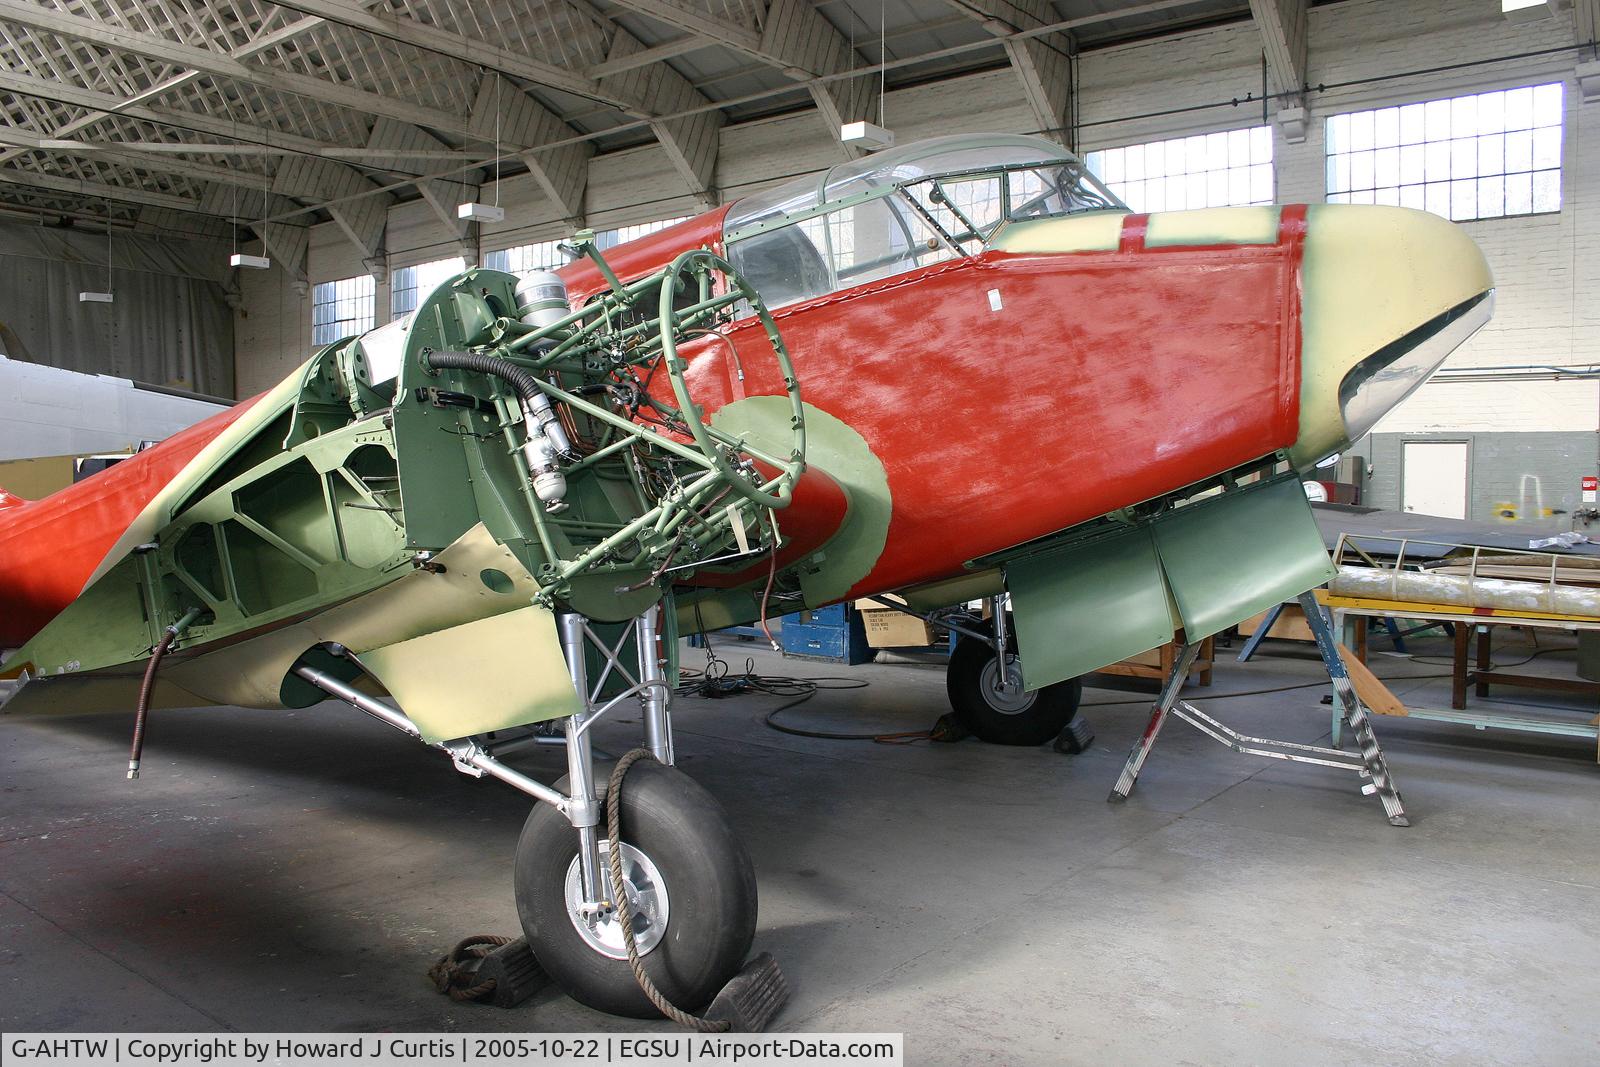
452 973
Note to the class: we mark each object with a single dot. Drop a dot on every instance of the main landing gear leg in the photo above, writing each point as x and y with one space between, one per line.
691 890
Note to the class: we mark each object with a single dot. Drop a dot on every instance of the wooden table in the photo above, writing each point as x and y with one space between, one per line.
1467 621
1158 662
1481 621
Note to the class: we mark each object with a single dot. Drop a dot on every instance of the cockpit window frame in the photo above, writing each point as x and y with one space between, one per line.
903 200
891 189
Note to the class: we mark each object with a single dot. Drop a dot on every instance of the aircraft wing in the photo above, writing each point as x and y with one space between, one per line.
46 411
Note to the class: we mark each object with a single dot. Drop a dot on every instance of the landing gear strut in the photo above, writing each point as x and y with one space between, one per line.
690 883
691 887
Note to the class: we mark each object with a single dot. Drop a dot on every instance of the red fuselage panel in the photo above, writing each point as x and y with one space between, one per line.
1103 379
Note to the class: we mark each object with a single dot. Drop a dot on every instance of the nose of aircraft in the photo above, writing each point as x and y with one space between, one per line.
1386 294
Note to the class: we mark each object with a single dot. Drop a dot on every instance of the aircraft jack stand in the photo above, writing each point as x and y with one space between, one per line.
1370 764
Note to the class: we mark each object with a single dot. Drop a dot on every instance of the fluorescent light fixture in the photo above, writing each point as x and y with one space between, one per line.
866 135
95 298
239 259
481 213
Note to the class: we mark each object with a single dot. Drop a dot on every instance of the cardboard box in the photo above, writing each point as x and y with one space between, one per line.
888 628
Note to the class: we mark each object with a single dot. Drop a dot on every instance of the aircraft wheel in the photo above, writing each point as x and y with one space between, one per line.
996 708
691 886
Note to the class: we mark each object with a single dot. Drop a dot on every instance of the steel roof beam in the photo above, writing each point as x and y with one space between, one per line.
224 65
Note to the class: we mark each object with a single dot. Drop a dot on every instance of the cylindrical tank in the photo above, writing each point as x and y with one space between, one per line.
541 299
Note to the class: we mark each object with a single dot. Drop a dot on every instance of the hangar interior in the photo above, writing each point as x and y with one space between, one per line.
246 183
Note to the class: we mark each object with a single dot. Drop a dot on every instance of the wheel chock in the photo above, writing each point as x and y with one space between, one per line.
1075 737
753 998
516 973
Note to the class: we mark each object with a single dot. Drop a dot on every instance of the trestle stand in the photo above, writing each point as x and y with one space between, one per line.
1369 765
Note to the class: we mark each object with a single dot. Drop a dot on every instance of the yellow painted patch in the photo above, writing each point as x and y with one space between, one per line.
486 675
1371 275
1213 226
416 603
1097 232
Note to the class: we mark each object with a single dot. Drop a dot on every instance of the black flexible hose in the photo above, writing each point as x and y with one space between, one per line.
520 379
147 688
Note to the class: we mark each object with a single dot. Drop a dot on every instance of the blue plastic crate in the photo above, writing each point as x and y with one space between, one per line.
832 633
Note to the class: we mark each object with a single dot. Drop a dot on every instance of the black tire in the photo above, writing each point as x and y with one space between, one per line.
1034 723
710 884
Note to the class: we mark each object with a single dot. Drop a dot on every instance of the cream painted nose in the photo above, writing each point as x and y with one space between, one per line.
1387 293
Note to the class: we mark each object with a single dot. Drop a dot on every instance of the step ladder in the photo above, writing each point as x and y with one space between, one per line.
1369 764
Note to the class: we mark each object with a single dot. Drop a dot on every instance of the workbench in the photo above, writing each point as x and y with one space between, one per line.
1355 613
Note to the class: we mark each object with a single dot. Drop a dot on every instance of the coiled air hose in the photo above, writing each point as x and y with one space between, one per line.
147 687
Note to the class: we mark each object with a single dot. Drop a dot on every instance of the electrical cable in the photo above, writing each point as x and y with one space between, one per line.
716 682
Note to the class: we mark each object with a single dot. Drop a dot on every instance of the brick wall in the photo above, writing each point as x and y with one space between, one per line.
1516 468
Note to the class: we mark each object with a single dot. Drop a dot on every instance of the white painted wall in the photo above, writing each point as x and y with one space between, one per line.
1546 266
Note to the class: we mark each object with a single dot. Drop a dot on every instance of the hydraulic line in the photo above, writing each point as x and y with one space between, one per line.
147 687
546 438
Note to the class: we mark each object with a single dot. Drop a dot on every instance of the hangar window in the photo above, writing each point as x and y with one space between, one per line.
1226 169
341 309
541 255
1484 156
412 284
623 234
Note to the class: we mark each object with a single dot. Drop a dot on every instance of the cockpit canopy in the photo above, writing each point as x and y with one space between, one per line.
901 209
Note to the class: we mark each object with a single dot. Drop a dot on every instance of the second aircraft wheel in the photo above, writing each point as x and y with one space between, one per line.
990 701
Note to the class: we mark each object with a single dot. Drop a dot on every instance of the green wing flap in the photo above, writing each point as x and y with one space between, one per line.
1199 568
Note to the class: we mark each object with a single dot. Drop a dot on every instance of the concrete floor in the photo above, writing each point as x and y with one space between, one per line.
277 870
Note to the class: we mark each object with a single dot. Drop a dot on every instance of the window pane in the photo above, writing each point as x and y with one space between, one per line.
1491 112
1386 166
1361 171
1411 124
1361 131
1464 116
341 309
1547 190
1491 197
1438 119
1547 104
1412 158
1519 151
1386 128
1519 109
1492 154
1519 194
1209 170
1338 135
1466 157
1546 148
